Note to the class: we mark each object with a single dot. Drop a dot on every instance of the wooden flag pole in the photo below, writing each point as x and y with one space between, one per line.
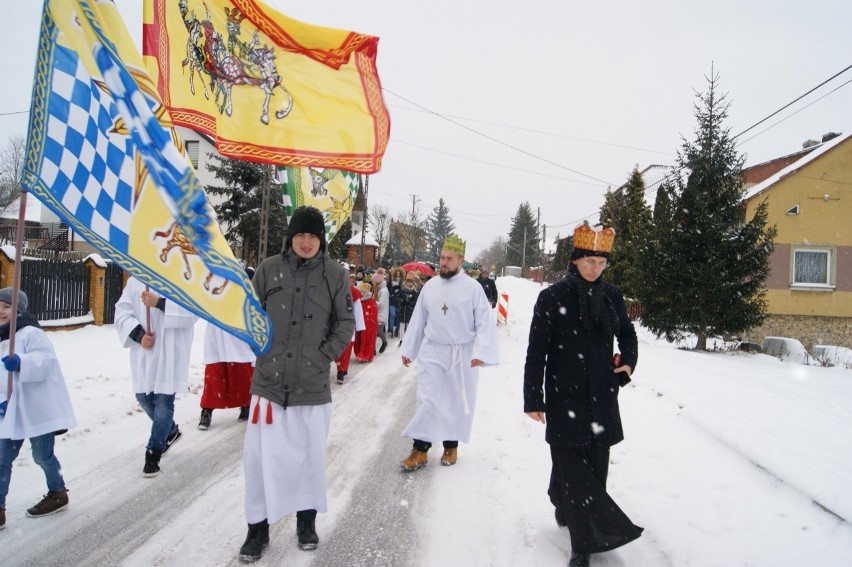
16 284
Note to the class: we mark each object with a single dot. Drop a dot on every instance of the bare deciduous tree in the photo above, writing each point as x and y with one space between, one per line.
494 256
11 166
379 220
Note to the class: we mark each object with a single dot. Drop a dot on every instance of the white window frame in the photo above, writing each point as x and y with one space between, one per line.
830 271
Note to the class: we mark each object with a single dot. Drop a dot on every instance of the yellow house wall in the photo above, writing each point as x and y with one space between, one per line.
823 191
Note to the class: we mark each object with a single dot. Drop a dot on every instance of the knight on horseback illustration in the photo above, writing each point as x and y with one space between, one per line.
236 62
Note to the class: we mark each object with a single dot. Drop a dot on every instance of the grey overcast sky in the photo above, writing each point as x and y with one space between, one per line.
494 103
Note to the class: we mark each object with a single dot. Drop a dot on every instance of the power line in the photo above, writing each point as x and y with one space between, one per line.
676 171
543 132
792 102
502 165
495 140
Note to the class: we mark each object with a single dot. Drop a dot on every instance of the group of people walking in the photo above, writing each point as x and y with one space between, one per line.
320 315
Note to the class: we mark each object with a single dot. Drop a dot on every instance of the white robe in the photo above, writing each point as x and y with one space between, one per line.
222 346
284 461
165 368
451 325
40 402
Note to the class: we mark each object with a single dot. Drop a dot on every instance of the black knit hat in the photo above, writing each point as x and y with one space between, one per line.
578 253
306 220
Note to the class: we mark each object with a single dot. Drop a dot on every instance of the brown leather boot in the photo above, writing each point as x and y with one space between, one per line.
449 457
2 518
414 461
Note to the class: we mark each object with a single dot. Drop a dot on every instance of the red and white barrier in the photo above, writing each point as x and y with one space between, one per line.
503 309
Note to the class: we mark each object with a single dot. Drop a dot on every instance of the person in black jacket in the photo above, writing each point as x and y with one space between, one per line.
489 286
406 300
570 354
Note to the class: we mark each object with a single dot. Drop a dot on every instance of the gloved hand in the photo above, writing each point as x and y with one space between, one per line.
11 363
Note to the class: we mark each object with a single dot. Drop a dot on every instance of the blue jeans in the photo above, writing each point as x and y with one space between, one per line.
391 318
161 409
42 455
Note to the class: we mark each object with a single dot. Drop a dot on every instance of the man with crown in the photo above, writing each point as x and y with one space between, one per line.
571 383
451 334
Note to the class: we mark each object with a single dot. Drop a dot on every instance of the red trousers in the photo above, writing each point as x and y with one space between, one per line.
226 385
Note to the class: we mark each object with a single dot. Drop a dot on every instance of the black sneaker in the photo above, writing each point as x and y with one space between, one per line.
53 502
152 463
341 376
307 533
204 421
173 438
383 347
256 540
244 414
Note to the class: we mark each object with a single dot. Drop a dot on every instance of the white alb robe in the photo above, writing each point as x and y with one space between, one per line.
165 368
40 402
452 324
284 459
222 346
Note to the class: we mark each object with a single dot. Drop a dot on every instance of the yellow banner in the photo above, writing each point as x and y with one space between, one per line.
266 87
83 162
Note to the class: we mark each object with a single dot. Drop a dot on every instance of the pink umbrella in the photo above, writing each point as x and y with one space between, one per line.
421 267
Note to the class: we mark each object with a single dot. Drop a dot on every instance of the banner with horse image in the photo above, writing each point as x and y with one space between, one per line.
102 154
265 87
332 191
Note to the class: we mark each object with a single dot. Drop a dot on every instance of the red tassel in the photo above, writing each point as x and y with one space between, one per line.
268 412
256 413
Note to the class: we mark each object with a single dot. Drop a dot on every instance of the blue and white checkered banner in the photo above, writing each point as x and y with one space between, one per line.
102 155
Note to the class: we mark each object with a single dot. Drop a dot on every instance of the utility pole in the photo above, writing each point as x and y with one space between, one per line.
543 238
414 200
264 215
364 183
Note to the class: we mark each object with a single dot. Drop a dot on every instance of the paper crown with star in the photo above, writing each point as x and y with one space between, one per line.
590 241
454 244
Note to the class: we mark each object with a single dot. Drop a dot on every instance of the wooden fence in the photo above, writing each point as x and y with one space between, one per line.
66 290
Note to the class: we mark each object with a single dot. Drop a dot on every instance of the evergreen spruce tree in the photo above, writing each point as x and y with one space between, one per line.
703 267
631 219
439 226
240 210
524 231
337 246
606 216
559 263
392 253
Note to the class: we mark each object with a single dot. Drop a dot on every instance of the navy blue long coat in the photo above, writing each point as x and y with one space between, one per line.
580 391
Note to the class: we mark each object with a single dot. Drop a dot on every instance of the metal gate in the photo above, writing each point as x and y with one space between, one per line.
113 286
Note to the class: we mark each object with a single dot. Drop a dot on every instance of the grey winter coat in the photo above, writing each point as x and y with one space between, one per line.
310 305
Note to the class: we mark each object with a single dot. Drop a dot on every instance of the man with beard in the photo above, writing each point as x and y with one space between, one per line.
571 350
451 334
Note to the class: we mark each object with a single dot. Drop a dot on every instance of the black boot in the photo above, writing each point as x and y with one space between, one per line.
152 462
256 540
306 530
579 560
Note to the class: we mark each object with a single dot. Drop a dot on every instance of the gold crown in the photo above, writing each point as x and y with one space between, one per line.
454 244
587 238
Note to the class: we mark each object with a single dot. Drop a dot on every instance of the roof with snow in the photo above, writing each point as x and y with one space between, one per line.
795 166
356 240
